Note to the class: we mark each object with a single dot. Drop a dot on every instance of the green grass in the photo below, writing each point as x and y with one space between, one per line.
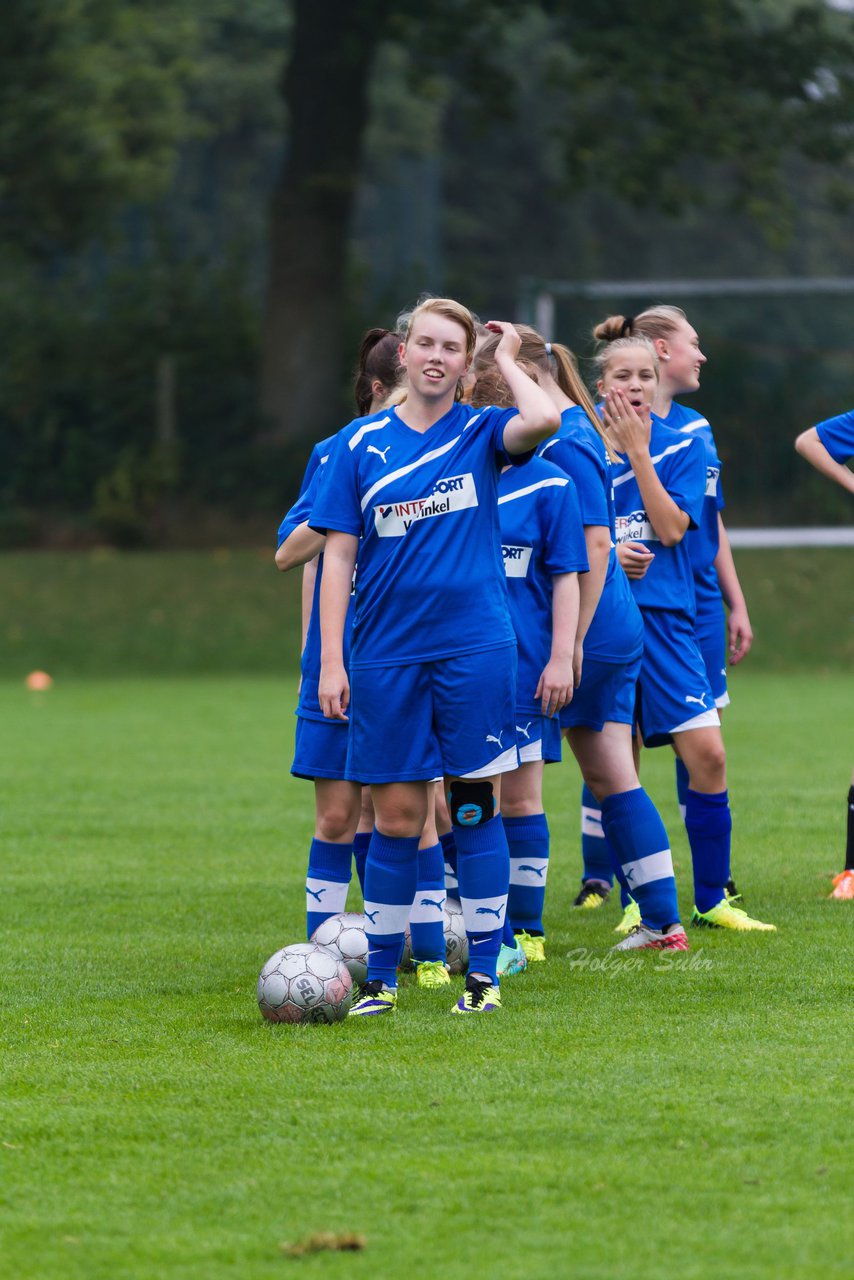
194 612
612 1121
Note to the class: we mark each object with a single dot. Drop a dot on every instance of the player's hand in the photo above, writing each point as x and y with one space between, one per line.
740 635
628 426
635 558
555 686
333 691
510 340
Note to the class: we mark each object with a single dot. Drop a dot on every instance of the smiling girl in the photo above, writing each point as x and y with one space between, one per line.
431 688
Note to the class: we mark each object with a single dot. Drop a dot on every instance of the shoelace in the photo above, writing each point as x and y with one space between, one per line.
476 990
371 989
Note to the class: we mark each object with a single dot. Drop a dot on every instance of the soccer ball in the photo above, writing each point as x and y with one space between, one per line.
305 983
345 937
456 942
406 961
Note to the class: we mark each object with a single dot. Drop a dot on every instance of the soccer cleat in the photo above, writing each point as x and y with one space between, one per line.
843 886
534 946
373 998
593 894
479 997
433 973
725 916
731 893
511 960
631 918
644 938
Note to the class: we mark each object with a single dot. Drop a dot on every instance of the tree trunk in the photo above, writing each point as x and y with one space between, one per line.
325 89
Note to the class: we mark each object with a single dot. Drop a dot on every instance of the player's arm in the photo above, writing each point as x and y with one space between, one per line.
809 446
598 541
299 547
339 561
309 579
630 430
537 418
739 630
556 684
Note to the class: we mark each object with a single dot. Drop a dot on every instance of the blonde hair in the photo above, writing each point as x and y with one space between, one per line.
612 349
491 388
558 362
660 321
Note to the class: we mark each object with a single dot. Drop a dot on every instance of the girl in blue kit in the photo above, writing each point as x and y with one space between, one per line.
321 745
829 447
542 543
659 489
716 583
431 688
599 719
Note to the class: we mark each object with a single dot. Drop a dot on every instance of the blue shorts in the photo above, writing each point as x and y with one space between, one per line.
320 749
710 629
538 738
451 716
606 693
674 694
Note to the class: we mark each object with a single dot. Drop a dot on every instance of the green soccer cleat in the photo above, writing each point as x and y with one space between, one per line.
373 998
726 916
631 918
593 894
731 893
479 997
534 946
433 973
511 960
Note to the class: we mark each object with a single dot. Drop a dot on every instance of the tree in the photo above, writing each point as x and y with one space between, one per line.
646 94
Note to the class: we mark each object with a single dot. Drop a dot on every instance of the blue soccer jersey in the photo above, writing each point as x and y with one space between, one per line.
704 541
431 579
317 457
680 464
541 535
308 705
837 436
616 632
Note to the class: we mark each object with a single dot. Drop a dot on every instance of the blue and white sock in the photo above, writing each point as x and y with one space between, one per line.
427 919
636 833
682 786
595 853
390 876
708 822
483 868
449 852
528 840
327 881
361 840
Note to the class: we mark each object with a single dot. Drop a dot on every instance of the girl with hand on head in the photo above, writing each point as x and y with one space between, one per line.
431 688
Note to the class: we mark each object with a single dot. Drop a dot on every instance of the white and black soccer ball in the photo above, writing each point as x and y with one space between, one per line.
406 961
345 936
456 941
305 983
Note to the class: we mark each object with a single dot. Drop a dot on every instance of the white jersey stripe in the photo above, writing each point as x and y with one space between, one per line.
671 448
403 471
558 482
548 445
363 431
694 424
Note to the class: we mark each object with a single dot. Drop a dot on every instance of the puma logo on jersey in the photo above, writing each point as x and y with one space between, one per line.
524 732
372 448
490 737
701 702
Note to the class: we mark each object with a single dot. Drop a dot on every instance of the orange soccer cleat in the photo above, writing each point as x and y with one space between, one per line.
843 886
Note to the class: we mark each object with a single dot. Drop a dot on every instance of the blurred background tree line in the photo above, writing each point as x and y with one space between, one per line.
202 207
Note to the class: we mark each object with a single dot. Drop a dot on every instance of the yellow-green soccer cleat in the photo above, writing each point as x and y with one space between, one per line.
593 894
726 916
631 918
478 997
534 946
373 998
433 973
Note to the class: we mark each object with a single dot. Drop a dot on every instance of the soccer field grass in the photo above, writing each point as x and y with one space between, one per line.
614 1119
